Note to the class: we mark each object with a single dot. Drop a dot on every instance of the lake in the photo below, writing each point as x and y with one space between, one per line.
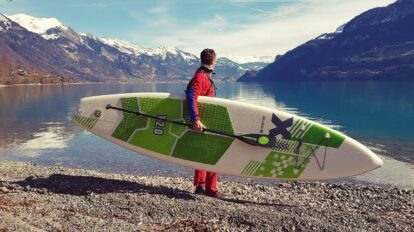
37 126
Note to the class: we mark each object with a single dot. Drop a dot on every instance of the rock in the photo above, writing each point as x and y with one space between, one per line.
286 185
4 190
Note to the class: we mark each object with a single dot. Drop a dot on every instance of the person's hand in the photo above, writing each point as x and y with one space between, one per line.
198 125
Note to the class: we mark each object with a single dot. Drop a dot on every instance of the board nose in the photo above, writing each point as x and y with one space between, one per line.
363 159
376 161
351 159
77 111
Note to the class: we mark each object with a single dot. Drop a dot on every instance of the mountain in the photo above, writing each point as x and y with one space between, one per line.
23 59
44 50
378 44
37 25
250 59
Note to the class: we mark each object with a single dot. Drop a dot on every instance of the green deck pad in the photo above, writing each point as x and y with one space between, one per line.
201 147
157 136
314 134
281 165
215 117
151 141
161 106
85 121
172 139
130 122
294 127
178 130
297 125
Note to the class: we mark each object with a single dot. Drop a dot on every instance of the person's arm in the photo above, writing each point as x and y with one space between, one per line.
192 96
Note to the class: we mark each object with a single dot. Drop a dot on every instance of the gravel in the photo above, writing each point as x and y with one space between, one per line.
35 198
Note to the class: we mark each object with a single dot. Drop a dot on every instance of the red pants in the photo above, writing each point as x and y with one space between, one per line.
206 179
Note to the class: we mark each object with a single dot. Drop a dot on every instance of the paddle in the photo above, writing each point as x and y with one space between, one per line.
252 139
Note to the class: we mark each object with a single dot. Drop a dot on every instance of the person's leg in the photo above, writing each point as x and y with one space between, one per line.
211 184
200 178
199 181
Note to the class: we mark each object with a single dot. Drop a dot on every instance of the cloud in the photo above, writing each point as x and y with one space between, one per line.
156 17
267 32
98 5
266 12
160 9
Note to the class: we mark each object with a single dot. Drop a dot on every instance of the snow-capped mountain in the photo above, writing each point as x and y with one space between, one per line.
246 63
54 49
121 45
250 59
36 25
131 49
26 57
42 25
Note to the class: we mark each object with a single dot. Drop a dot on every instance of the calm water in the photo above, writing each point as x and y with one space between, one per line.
36 123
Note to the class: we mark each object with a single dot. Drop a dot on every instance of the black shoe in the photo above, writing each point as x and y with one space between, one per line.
215 194
199 190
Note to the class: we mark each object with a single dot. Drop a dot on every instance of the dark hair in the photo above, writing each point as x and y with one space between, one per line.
207 56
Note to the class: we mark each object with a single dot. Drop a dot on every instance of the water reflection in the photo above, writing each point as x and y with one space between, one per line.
254 94
54 137
26 109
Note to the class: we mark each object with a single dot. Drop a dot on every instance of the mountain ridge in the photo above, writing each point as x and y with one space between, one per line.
55 50
377 44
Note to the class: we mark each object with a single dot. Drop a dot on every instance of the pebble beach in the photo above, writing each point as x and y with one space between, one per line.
39 198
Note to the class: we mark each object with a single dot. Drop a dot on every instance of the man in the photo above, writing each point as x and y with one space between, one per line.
202 85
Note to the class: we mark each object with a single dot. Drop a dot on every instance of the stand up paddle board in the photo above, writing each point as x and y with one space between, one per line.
240 139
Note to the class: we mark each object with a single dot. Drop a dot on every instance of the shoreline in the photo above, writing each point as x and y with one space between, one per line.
79 200
87 83
108 83
172 81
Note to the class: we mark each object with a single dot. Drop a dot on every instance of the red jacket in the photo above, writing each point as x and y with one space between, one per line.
200 85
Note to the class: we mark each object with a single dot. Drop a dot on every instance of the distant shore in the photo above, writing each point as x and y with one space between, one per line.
103 82
35 198
86 83
39 84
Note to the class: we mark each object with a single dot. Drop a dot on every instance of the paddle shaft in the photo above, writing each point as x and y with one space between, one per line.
159 118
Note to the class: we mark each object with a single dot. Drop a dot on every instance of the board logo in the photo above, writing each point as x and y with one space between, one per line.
159 125
281 127
270 140
262 124
97 113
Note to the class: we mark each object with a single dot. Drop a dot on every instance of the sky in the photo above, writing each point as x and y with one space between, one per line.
231 27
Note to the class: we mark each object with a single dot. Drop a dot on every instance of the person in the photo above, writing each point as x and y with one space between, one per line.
202 85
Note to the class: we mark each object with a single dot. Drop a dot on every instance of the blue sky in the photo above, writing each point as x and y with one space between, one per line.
242 27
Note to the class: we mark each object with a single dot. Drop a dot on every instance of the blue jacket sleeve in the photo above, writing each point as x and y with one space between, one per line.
192 95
